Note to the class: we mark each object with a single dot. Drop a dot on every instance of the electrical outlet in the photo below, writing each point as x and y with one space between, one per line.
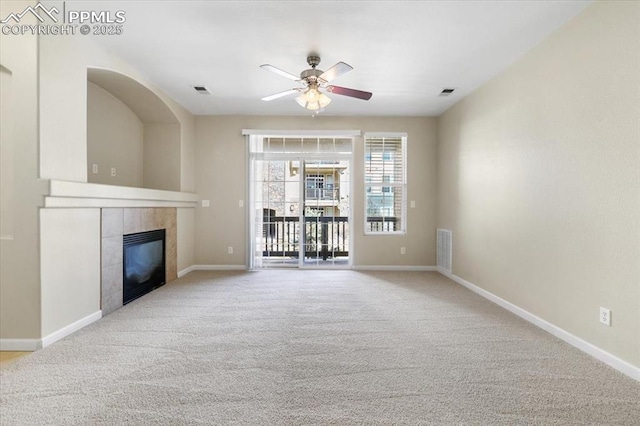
113 172
403 250
413 204
605 316
230 250
95 169
205 203
240 203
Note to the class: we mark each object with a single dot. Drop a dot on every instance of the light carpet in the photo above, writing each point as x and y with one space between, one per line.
313 347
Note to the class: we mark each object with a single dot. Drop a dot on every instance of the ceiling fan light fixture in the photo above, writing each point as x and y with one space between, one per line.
312 94
324 100
313 99
301 99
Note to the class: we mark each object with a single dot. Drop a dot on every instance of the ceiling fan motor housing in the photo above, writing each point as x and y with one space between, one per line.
310 74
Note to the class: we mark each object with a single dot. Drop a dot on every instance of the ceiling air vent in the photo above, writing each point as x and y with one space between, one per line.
202 90
446 92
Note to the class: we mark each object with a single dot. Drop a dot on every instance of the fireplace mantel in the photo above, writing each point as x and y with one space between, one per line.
79 194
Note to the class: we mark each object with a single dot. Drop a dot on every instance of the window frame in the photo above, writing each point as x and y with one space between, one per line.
368 185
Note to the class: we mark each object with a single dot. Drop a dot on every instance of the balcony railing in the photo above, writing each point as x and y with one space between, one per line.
382 224
321 194
324 237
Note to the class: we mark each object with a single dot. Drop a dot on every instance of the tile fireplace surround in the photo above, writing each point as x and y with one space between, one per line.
117 222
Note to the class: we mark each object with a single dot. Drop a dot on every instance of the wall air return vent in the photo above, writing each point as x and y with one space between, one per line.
445 249
202 90
446 92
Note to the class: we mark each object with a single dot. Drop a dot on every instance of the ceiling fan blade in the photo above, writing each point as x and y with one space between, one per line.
280 95
279 72
335 71
345 91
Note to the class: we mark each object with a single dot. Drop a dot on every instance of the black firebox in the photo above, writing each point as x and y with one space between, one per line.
143 263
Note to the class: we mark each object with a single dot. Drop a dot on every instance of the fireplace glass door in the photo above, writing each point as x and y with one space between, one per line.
143 263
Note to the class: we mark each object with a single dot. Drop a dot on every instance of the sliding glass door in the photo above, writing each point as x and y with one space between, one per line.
300 197
326 212
276 206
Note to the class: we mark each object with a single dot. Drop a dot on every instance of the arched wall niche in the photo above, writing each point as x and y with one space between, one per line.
130 129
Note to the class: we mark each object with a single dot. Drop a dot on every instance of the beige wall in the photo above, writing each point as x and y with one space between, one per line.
6 154
538 177
161 156
114 139
221 171
187 153
70 259
63 108
19 263
186 237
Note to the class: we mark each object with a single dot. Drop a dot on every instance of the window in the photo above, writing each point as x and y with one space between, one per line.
386 179
385 183
314 186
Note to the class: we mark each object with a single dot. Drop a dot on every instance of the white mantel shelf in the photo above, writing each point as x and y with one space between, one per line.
79 194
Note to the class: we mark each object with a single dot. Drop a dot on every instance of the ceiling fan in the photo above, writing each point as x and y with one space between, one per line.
312 80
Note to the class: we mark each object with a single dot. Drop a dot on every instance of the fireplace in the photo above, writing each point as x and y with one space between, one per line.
143 263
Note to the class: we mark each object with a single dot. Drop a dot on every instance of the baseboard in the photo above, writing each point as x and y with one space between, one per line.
393 268
212 268
20 345
185 271
191 268
71 328
600 354
30 345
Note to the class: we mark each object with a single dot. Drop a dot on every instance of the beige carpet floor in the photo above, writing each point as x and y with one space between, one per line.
313 347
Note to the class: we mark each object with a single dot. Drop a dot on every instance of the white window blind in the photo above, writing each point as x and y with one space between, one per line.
385 183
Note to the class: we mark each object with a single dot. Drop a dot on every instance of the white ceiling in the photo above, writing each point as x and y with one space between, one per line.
403 52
